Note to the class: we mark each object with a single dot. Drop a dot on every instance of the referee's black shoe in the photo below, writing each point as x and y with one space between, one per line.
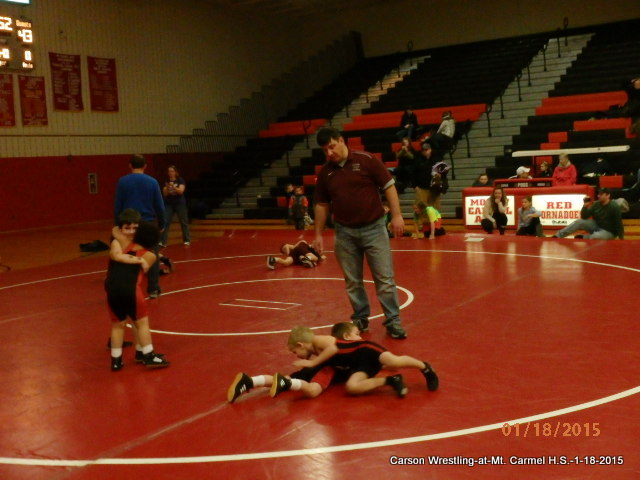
395 330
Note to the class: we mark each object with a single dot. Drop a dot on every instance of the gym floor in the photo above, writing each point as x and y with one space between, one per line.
535 341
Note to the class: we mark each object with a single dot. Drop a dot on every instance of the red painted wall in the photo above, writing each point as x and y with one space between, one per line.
48 191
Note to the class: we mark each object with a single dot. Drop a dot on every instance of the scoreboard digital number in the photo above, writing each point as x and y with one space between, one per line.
16 44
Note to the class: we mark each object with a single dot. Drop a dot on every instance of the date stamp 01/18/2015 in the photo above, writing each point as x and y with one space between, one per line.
524 430
551 429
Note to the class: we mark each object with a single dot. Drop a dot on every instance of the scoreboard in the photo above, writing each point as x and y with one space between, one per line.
16 44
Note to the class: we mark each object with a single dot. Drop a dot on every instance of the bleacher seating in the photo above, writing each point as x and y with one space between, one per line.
464 79
573 116
296 127
474 73
592 102
236 168
426 116
344 89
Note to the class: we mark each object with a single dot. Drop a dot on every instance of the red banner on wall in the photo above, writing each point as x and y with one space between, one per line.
7 109
33 101
66 82
103 84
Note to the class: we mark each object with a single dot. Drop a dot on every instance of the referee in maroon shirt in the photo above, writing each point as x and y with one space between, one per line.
349 184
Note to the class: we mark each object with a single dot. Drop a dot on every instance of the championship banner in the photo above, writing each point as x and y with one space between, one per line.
103 84
33 101
66 82
7 109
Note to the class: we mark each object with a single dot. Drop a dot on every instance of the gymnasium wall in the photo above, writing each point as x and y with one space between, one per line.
387 27
48 191
180 63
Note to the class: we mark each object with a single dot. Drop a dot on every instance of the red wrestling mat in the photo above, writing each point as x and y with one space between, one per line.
540 335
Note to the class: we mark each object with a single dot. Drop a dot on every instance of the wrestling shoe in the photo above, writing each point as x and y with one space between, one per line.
280 384
241 384
431 377
116 363
271 262
362 324
396 331
306 261
153 360
396 382
140 356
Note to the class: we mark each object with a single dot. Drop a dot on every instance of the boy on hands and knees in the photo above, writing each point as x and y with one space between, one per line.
423 215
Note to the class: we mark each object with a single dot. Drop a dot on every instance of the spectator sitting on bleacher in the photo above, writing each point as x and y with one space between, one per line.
408 125
544 170
406 161
565 173
631 108
482 181
405 151
522 172
442 140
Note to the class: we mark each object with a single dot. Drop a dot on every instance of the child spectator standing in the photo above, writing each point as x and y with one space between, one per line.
529 219
298 208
